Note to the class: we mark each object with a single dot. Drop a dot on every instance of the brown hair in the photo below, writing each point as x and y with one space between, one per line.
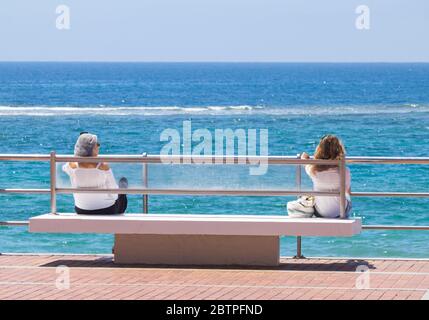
329 148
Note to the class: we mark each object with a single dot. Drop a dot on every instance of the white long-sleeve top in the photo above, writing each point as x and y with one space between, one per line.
92 178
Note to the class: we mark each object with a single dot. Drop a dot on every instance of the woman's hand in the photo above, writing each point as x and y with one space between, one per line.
73 165
304 155
104 166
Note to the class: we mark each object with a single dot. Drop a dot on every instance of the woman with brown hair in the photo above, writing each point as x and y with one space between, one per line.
327 178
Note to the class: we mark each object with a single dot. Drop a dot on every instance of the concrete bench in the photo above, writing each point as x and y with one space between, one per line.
189 239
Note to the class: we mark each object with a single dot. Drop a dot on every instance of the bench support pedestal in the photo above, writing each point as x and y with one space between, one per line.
197 250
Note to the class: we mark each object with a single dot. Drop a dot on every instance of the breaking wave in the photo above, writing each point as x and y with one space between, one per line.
207 110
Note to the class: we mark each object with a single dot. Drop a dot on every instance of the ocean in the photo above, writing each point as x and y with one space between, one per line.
376 109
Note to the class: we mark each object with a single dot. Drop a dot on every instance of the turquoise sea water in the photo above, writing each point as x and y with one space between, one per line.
377 109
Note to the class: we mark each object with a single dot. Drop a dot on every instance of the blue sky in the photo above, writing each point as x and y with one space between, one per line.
215 30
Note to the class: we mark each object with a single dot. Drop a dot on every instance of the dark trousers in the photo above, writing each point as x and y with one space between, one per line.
119 207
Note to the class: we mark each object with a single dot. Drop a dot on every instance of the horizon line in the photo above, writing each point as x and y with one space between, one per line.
213 61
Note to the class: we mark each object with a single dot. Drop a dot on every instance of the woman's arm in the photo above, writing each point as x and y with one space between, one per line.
110 178
68 167
348 182
307 167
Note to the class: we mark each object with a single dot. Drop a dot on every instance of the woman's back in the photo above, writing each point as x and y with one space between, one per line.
328 181
92 178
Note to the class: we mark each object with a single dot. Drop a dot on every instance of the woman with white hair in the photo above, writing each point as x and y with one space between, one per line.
94 175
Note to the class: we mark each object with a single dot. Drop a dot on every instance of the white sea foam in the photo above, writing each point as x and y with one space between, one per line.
104 110
207 110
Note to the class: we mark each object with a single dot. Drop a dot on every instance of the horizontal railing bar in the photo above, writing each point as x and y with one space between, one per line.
243 159
214 159
24 157
14 223
180 159
219 192
102 158
393 227
391 194
210 191
198 192
29 191
388 160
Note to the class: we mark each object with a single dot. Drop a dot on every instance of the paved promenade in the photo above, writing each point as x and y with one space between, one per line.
96 277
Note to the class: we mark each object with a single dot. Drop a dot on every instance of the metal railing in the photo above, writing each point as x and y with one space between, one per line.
145 159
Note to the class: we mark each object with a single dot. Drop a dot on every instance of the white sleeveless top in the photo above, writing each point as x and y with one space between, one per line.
92 178
328 180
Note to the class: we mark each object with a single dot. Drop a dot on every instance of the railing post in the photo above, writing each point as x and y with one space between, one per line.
298 179
145 184
298 174
343 201
53 178
299 248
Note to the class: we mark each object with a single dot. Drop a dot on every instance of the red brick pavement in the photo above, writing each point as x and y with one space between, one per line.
96 277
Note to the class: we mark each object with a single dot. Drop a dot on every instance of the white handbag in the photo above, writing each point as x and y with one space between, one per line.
303 207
